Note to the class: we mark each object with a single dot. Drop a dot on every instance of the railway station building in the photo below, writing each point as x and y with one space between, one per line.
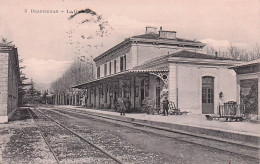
159 64
9 80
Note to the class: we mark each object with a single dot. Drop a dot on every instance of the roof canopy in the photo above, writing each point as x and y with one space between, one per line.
115 77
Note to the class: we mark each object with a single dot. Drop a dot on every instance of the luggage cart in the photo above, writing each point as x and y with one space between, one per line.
174 110
229 111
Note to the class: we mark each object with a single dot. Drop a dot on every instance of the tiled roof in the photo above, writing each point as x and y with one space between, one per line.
189 54
6 47
182 54
151 38
157 36
147 36
252 62
112 49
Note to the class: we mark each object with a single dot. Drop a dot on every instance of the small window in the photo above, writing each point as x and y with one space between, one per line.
114 66
98 72
105 69
125 62
121 64
110 68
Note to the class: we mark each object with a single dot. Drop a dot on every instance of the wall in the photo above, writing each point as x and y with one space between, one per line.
148 52
145 52
9 77
3 86
189 88
189 85
137 54
115 56
172 83
12 83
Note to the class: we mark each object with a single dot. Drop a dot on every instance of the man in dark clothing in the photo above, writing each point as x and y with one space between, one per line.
165 106
128 105
122 106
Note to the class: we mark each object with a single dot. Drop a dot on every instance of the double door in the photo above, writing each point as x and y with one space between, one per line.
208 95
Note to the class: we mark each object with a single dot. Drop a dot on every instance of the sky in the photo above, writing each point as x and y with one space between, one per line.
49 42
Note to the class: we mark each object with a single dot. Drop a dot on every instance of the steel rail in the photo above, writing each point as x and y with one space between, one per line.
44 138
104 118
82 138
165 129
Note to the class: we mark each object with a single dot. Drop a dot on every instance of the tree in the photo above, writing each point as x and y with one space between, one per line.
32 95
22 85
80 71
84 27
44 97
5 41
237 53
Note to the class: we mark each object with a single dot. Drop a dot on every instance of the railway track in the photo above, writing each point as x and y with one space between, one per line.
33 116
44 138
232 148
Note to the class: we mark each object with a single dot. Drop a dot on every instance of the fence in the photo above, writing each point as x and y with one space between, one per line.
231 110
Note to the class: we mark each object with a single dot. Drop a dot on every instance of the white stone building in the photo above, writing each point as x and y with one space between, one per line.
160 64
9 80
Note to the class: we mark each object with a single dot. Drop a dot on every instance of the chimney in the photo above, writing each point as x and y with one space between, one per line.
150 29
167 34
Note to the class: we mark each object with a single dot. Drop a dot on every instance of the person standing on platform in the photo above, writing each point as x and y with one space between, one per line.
149 106
128 105
144 105
122 106
165 106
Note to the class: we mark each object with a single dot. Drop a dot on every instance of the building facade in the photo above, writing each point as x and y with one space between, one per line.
248 83
159 64
9 80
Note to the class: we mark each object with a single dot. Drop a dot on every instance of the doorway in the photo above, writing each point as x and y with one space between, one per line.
158 92
95 97
207 95
142 92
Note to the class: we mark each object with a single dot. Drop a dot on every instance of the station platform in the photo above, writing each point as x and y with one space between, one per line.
243 132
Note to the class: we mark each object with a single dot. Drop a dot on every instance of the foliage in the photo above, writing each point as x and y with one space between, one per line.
237 53
5 41
44 96
87 27
32 95
80 71
23 85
